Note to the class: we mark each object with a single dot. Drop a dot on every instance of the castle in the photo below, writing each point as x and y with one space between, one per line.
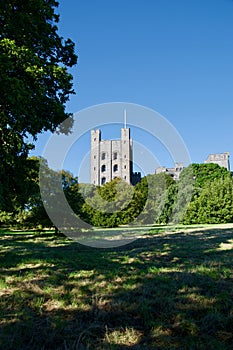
112 159
222 159
173 172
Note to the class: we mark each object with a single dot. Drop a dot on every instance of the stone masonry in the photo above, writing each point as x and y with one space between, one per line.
173 172
221 159
111 158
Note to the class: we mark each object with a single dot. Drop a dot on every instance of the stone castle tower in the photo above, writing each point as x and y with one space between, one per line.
111 158
221 159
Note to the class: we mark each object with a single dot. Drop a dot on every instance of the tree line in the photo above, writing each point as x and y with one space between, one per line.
203 194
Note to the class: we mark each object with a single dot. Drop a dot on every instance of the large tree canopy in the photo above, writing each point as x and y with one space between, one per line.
34 80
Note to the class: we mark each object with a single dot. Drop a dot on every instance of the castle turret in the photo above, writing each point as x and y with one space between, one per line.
95 159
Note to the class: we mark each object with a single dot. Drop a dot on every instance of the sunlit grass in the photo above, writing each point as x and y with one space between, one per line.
167 290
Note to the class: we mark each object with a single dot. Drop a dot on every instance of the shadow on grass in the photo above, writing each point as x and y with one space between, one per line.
172 291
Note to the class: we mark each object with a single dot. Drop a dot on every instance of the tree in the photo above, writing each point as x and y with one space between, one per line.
34 80
200 174
166 209
107 206
117 203
203 177
33 213
157 186
213 205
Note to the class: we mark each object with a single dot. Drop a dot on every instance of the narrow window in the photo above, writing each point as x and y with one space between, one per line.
103 180
103 168
125 167
103 156
115 168
115 155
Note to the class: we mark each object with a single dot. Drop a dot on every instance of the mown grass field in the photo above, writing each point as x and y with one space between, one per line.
163 291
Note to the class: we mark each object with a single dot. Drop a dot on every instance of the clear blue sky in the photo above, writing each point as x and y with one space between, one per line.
174 56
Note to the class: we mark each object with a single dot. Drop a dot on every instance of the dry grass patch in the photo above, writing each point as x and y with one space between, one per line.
127 337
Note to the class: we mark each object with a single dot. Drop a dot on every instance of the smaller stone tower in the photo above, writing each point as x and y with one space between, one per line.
221 159
126 155
95 158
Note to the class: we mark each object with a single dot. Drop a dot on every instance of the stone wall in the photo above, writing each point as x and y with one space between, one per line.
221 159
111 158
173 172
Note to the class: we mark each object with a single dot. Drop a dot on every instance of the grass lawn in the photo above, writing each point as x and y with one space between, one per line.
166 290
